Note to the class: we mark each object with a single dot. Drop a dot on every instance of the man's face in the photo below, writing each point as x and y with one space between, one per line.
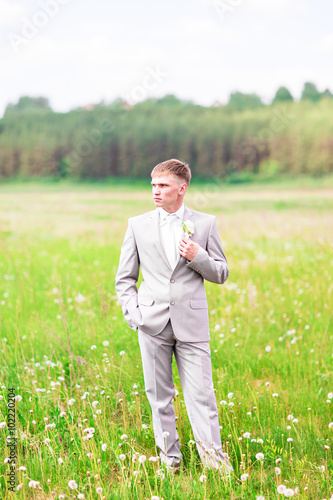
168 192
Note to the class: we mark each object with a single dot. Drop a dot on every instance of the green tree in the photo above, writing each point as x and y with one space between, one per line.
240 102
310 92
282 94
29 103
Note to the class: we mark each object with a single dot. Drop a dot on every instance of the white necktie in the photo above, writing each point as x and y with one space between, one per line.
170 241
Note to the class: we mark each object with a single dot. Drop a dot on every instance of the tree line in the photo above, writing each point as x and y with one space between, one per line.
119 140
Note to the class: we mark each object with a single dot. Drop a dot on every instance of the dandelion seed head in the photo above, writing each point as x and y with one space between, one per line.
289 492
72 484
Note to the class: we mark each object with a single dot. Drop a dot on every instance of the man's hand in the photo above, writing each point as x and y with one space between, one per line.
188 249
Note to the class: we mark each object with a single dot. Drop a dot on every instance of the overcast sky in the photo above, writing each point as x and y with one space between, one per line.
77 52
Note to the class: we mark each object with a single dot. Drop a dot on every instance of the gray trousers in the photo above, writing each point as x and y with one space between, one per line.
195 371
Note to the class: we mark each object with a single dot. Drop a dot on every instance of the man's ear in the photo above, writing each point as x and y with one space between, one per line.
183 188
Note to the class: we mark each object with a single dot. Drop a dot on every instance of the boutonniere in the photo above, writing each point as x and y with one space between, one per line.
188 228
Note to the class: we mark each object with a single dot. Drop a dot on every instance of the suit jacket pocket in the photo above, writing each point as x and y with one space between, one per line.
146 300
198 304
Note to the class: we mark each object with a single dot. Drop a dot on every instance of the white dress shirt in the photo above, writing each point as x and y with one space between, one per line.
176 236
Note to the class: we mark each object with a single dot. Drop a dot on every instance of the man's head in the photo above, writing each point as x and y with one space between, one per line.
170 180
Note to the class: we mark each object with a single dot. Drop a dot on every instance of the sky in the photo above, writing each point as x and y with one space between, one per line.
78 52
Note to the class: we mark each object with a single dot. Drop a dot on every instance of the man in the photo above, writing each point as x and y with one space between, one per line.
170 310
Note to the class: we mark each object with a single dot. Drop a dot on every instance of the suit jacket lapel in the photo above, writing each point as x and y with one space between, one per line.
188 214
157 236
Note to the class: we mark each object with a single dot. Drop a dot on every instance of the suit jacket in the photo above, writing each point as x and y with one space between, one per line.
179 294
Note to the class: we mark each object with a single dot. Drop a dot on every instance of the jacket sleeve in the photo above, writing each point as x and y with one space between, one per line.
211 264
126 279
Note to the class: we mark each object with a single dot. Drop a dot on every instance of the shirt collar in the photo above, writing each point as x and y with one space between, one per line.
180 212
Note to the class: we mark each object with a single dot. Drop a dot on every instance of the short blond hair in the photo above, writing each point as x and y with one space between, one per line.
175 167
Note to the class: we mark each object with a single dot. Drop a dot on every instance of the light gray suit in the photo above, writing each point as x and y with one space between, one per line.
170 312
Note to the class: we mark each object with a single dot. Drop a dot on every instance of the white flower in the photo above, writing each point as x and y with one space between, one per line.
142 459
123 437
330 425
99 490
154 497
105 343
80 496
203 478
275 395
166 434
72 484
244 477
289 492
260 456
60 461
93 347
79 298
223 402
62 414
277 470
94 404
260 498
260 441
2 425
33 484
247 435
22 468
104 446
71 401
122 457
188 227
18 398
290 440
281 488
122 353
330 395
290 417
230 395
268 348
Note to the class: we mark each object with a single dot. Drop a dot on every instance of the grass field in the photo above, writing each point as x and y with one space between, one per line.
75 365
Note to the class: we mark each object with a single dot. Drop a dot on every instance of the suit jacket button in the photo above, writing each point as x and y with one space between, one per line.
172 303
172 281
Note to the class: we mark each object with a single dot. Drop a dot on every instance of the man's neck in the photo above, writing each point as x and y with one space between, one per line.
174 209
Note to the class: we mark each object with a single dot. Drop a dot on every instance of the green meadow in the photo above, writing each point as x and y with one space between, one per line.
83 427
